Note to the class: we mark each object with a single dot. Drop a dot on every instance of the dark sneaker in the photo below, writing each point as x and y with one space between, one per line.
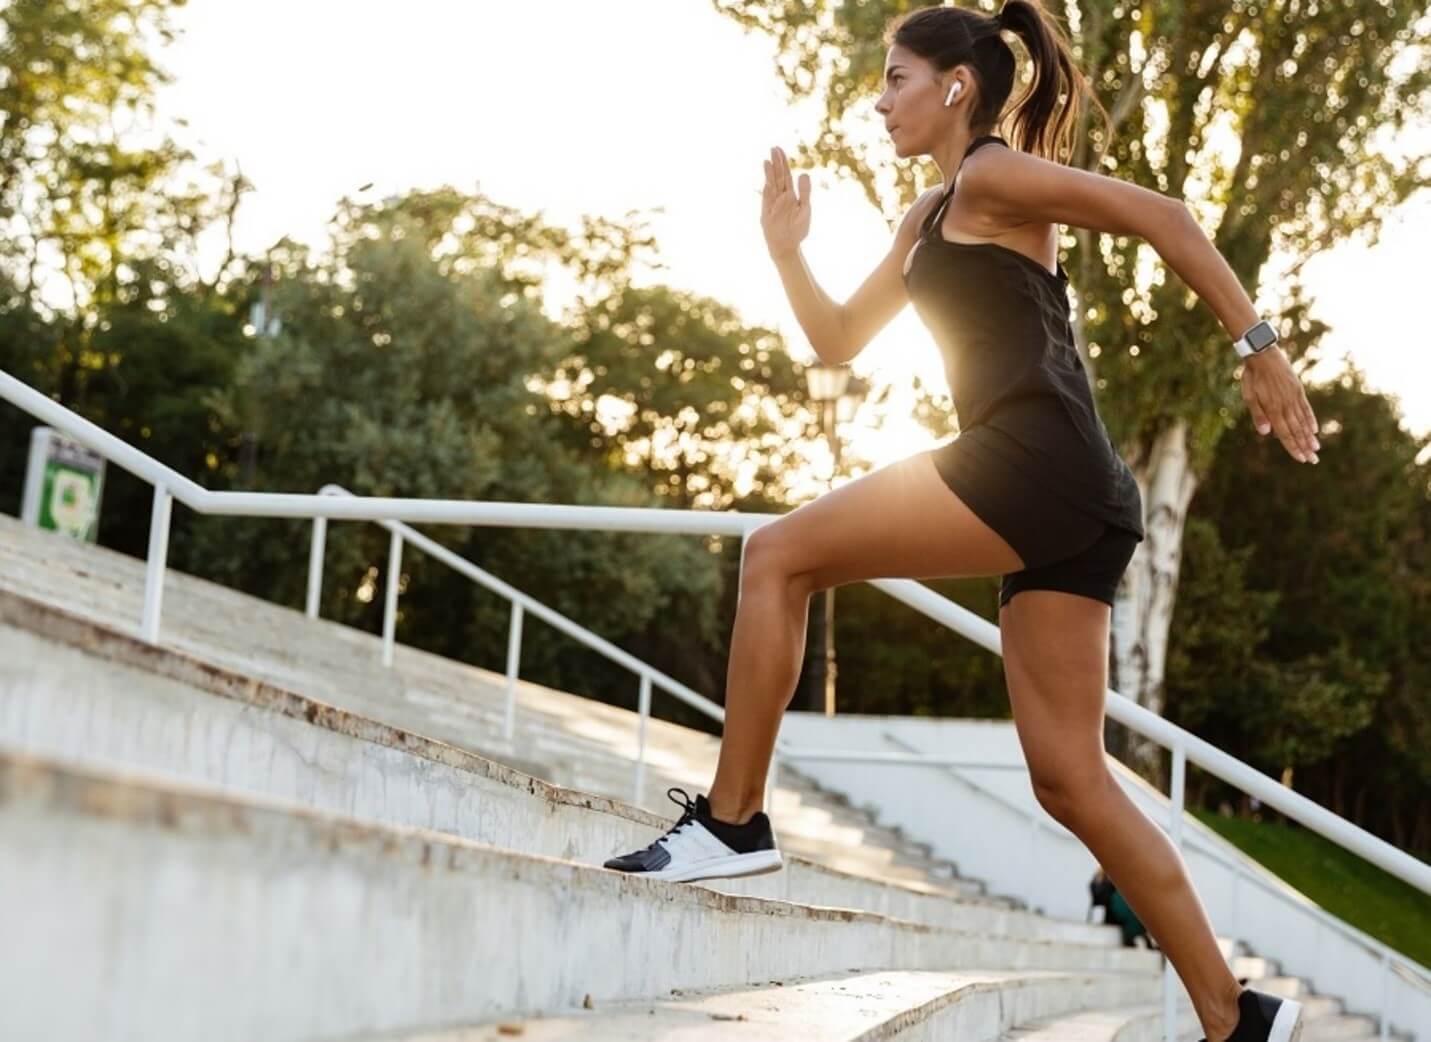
700 847
1266 1018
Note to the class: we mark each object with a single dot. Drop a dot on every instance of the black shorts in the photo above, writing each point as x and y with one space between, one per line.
1062 547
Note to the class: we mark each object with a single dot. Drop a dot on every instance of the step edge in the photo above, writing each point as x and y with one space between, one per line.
185 667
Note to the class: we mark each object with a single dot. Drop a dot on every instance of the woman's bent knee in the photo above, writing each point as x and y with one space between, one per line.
766 560
1069 796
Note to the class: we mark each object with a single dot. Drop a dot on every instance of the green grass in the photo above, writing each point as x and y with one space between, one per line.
1347 887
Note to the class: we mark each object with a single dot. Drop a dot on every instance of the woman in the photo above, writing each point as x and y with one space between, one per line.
1031 489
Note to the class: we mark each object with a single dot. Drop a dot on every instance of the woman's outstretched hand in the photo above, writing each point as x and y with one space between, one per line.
1278 404
784 217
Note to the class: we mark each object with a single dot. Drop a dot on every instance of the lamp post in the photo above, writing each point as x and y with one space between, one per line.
838 392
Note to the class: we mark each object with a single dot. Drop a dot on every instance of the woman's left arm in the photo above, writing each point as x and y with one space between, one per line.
1016 186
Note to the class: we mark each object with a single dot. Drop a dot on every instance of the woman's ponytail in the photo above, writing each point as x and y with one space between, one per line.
1045 115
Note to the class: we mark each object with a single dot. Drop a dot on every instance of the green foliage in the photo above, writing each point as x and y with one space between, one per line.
1298 638
80 198
705 408
1218 624
893 660
1349 888
397 373
141 338
151 371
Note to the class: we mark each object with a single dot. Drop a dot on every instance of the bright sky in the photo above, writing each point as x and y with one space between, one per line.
570 107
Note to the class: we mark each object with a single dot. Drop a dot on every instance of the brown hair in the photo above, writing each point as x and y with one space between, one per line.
1040 122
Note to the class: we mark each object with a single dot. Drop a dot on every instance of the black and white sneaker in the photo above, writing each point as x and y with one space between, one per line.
700 847
1266 1018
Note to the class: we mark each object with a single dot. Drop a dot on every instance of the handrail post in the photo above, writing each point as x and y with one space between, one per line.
643 708
390 601
315 565
1236 888
1175 830
1384 1031
514 655
155 565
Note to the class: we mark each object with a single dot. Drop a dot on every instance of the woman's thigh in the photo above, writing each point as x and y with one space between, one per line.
900 521
1055 652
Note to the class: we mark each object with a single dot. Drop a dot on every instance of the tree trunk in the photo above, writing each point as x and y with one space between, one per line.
1398 825
1143 604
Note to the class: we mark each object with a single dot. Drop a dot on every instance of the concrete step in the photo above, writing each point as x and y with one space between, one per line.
189 912
1338 1027
75 689
1132 1023
572 741
1145 1023
1254 967
971 1006
1230 947
1300 989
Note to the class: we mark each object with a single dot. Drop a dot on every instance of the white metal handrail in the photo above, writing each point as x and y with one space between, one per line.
169 485
1390 959
521 604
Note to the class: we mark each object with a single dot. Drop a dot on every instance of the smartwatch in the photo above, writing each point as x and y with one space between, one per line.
1256 340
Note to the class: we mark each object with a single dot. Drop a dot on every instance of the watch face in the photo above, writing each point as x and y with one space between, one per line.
1261 336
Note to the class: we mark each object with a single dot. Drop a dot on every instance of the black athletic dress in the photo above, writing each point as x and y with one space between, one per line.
1032 459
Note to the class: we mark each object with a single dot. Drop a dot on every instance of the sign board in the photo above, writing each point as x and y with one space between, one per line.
63 484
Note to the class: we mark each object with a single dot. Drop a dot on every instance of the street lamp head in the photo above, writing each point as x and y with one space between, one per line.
827 382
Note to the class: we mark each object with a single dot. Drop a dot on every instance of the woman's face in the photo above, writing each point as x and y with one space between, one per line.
912 103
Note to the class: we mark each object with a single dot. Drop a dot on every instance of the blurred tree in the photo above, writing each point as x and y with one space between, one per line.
1298 640
676 388
1272 123
100 215
90 186
895 661
403 368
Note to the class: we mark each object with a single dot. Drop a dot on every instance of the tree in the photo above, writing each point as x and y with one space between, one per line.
402 368
1298 638
83 198
103 307
674 387
1268 123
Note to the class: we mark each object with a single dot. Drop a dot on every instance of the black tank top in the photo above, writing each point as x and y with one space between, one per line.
1001 320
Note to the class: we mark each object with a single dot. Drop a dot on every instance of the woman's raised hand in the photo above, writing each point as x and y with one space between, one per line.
1278 404
784 217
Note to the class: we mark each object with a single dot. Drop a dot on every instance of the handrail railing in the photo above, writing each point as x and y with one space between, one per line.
337 504
521 604
1243 868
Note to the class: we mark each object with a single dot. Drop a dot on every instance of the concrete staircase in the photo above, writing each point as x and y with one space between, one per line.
256 831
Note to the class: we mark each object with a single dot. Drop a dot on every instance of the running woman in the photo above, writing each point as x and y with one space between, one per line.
1031 489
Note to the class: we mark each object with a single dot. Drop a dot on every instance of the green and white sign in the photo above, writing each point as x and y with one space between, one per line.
63 484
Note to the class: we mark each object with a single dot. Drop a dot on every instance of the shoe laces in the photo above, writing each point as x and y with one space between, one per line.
688 813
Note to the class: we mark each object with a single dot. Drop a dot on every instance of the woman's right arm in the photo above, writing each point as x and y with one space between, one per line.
819 316
837 332
882 294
